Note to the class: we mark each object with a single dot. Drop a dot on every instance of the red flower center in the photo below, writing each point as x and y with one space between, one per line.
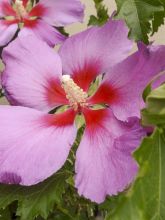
78 98
75 95
22 13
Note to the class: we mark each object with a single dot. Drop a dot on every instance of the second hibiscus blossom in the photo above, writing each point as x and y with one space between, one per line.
38 19
35 144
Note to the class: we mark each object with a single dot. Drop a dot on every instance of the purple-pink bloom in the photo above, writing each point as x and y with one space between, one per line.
35 144
38 19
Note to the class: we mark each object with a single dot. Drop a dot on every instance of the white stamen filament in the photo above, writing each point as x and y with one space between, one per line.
76 96
20 9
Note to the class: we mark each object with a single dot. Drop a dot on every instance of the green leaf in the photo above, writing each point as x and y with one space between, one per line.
138 15
158 21
5 214
146 91
149 118
146 200
1 93
158 18
35 200
62 31
154 113
156 100
102 14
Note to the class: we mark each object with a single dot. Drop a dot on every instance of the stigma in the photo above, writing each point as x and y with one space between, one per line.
20 9
75 95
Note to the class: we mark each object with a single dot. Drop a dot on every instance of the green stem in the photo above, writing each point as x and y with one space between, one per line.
1 94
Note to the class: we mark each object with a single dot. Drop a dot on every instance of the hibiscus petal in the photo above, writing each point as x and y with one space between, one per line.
94 51
137 72
104 164
7 32
33 145
43 31
6 9
124 83
105 94
32 74
159 81
62 12
38 10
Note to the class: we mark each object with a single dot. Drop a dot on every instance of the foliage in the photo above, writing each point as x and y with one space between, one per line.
158 18
35 200
1 93
155 111
54 199
102 14
142 17
146 199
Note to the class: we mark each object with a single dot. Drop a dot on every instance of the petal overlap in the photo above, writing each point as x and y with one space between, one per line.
104 162
29 79
124 83
94 51
7 32
43 31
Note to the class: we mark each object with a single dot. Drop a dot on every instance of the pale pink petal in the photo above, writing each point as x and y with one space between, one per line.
43 31
124 83
140 69
97 48
104 164
62 12
7 32
33 145
159 81
32 74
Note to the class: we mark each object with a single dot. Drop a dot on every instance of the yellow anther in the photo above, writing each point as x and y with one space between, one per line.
76 96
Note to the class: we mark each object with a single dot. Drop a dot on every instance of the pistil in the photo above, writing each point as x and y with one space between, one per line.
76 96
20 9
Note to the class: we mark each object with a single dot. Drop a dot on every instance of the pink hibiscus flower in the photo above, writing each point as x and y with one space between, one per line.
38 19
35 144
